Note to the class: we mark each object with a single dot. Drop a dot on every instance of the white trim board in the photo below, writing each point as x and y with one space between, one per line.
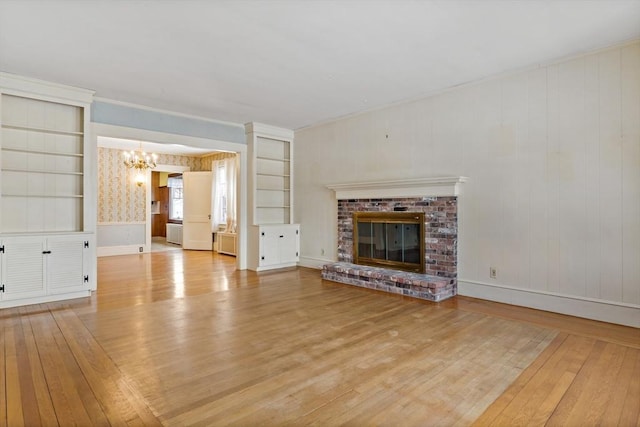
604 311
311 262
99 129
120 250
612 312
434 187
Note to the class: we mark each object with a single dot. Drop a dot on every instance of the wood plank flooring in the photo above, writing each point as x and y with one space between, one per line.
182 338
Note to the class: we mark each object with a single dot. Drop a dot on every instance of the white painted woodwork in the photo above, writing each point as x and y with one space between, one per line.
46 173
38 268
553 160
121 234
437 186
68 264
272 181
279 246
196 231
23 268
270 206
227 243
174 233
42 165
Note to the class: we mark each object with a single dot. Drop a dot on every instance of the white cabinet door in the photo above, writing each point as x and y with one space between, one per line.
269 246
38 266
289 245
279 245
66 264
23 268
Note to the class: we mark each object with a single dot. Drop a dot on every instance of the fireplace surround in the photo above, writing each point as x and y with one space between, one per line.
436 199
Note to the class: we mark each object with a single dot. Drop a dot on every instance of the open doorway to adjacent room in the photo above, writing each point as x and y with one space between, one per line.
146 213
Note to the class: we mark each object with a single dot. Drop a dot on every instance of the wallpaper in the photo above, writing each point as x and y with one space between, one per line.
119 198
207 161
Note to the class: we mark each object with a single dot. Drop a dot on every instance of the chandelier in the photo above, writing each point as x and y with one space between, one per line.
140 161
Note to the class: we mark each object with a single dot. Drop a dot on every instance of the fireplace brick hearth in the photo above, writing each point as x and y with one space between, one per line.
441 237
415 285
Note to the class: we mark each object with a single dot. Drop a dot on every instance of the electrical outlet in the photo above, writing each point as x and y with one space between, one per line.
141 249
493 272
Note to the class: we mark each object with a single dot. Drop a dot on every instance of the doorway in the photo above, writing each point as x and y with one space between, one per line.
123 236
165 210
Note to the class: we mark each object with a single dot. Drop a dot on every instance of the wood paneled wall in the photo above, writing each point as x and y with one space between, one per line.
553 160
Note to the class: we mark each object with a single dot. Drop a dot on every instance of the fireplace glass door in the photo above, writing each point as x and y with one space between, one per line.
390 240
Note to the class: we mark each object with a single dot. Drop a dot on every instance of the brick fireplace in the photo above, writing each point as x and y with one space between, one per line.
441 228
437 198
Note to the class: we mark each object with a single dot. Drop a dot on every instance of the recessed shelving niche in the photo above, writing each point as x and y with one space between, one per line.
42 165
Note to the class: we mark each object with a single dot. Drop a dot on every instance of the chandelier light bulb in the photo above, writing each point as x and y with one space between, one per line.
139 160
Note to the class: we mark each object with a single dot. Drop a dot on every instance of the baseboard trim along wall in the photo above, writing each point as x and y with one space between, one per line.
605 311
120 250
311 262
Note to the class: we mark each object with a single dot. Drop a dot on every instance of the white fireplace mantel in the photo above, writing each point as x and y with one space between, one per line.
417 187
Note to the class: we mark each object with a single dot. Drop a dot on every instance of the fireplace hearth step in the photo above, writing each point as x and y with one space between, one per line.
423 286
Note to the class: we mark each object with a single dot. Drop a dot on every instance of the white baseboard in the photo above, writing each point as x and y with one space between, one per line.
120 250
44 299
311 262
605 311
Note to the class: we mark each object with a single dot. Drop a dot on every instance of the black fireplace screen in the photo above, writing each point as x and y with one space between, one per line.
390 240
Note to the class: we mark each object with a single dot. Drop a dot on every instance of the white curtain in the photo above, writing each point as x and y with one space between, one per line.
230 169
174 182
223 191
216 200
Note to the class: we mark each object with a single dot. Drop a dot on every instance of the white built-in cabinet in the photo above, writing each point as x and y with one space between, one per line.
279 245
38 268
273 237
47 219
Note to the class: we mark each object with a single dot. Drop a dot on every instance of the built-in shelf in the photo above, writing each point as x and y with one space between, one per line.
273 180
42 130
46 224
47 153
46 196
274 174
43 163
275 159
42 171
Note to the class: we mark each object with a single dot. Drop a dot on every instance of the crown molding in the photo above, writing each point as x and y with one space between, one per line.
14 84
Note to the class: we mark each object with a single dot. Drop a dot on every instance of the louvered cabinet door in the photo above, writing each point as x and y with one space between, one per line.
23 268
66 265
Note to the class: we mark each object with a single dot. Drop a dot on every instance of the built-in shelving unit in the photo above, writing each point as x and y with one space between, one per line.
273 181
274 240
47 243
42 165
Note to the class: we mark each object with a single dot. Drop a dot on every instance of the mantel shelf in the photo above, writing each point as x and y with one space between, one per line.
437 186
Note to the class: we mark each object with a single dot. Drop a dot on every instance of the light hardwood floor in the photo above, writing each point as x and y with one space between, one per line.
182 338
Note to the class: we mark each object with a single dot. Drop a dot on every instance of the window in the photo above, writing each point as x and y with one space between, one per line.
221 193
175 198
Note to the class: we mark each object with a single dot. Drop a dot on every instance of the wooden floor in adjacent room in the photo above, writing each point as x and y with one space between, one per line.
182 338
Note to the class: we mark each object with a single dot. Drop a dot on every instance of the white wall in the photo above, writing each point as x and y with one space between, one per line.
553 198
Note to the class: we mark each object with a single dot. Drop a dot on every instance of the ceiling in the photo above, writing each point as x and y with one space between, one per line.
294 63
